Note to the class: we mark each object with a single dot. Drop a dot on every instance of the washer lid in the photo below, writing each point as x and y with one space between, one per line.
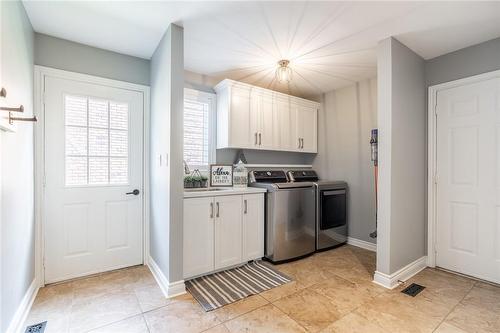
303 175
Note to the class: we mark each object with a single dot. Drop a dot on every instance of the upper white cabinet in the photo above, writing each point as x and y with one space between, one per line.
256 118
307 127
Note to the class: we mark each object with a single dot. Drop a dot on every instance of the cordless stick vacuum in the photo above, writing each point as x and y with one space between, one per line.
374 147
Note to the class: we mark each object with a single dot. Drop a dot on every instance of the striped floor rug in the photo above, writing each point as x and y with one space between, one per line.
216 290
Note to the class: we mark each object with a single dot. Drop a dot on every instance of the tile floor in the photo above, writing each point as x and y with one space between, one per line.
331 292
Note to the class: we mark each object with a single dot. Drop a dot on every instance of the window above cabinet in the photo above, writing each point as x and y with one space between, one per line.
199 129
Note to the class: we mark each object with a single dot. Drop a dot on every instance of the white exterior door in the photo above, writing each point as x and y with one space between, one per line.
93 158
468 179
199 216
227 231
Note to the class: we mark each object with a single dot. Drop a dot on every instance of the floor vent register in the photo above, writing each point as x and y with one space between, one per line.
413 289
36 328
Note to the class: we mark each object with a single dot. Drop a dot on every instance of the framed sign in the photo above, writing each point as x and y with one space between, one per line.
221 175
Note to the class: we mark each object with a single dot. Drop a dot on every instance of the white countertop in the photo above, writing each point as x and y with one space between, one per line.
222 191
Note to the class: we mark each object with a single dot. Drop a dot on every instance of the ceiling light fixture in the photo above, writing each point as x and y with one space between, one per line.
283 72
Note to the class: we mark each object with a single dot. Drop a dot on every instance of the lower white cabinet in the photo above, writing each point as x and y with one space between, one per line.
198 244
222 231
253 226
228 215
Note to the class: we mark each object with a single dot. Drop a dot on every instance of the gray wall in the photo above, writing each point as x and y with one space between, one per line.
344 128
166 135
63 54
17 165
200 82
403 157
473 60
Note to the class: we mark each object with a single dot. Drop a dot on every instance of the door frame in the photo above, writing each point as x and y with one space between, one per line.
40 73
432 157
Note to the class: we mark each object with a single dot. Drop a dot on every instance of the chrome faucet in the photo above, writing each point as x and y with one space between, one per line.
186 168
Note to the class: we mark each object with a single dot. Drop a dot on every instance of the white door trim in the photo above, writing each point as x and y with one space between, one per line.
40 72
432 158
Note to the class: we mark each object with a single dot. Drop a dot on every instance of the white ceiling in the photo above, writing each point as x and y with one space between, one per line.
330 44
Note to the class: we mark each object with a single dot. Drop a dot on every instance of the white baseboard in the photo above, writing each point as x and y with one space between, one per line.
169 289
391 281
17 323
362 244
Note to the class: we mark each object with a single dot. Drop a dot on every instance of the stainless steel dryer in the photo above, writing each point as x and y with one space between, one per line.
331 208
290 216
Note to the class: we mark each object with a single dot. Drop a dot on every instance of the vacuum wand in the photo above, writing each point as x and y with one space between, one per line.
374 149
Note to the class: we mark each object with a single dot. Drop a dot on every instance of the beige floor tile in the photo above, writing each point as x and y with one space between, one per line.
310 309
346 295
396 312
52 304
217 329
135 324
119 280
354 273
150 297
94 312
472 318
306 273
441 285
282 291
325 287
353 323
238 308
267 319
448 328
54 325
484 296
183 314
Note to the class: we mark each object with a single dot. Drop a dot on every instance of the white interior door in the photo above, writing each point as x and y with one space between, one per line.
468 182
93 158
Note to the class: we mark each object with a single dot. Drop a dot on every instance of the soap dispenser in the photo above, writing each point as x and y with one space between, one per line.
240 175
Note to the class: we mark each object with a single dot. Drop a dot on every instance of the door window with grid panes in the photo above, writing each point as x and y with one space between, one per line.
96 141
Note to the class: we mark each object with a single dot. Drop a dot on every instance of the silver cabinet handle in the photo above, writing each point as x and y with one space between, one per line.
211 210
256 138
260 139
302 146
217 214
246 206
299 143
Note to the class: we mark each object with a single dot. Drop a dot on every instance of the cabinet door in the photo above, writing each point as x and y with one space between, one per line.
253 226
241 119
286 125
268 134
227 231
254 122
198 236
307 128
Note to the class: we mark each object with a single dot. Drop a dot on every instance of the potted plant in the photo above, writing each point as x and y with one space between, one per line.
189 181
204 180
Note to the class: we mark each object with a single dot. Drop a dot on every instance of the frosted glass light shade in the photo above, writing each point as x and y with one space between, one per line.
283 72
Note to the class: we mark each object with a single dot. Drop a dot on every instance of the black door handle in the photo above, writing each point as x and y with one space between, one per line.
134 192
